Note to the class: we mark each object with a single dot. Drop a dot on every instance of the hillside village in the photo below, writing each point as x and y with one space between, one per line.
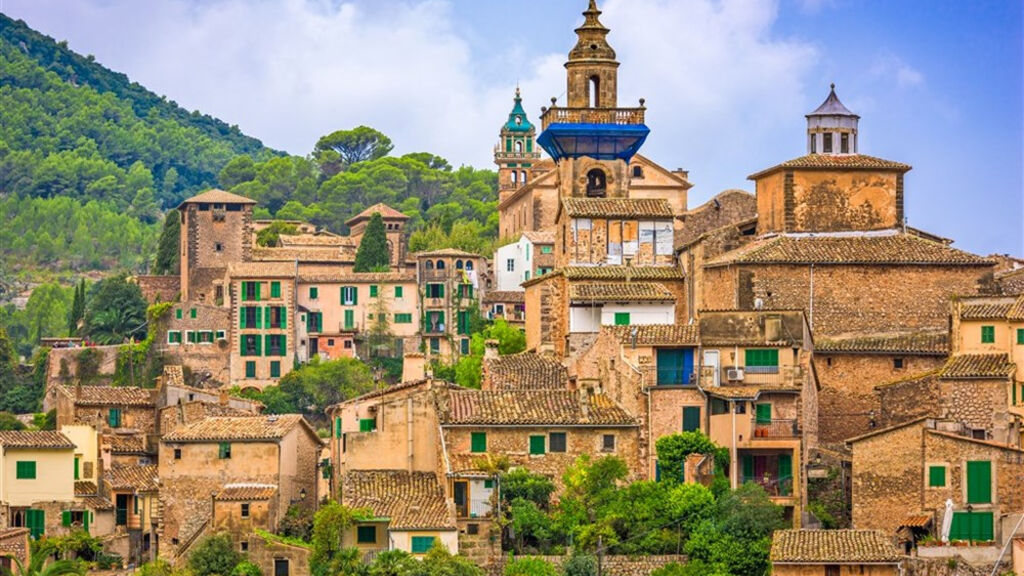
827 352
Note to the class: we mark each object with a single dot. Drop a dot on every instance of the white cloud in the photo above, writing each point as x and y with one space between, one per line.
891 67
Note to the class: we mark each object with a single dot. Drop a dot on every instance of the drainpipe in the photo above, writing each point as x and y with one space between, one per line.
408 431
811 310
735 459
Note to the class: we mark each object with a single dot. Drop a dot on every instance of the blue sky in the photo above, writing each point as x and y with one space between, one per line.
938 84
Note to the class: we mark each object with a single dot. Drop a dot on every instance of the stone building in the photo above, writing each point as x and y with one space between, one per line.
903 476
14 548
133 490
216 229
394 229
531 256
200 460
451 284
262 297
834 553
197 335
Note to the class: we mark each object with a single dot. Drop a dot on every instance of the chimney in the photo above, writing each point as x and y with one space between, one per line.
414 367
629 270
491 350
584 397
223 398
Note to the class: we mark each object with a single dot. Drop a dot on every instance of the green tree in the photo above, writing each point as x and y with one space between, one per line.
343 148
580 565
328 556
8 363
214 554
373 254
46 311
393 563
318 384
9 422
247 568
674 449
168 248
271 235
115 311
380 338
77 312
527 566
238 170
440 562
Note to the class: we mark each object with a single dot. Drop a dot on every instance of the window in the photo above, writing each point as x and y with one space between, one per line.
77 466
435 345
458 264
1020 336
897 363
462 322
979 482
464 346
826 143
469 264
622 318
608 443
174 337
314 322
536 445
177 313
988 334
250 291
244 546
478 442
349 295
275 369
557 442
763 361
177 453
844 143
398 291
250 317
972 526
245 509
206 337
546 249
224 451
691 418
373 291
281 567
435 290
366 535
314 292
350 319
25 470
814 143
422 544
190 336
597 183
403 318
276 344
936 476
192 313
367 424
251 345
465 290
275 289
510 265
250 369
114 417
638 172
763 413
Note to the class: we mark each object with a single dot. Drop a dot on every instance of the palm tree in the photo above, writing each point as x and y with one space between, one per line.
38 567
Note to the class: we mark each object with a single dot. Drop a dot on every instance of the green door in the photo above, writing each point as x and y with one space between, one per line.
35 521
979 482
785 474
764 413
350 319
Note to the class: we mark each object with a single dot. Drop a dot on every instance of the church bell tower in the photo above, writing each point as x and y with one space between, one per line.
516 152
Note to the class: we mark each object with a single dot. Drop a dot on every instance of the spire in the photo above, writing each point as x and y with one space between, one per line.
517 121
832 106
832 128
592 44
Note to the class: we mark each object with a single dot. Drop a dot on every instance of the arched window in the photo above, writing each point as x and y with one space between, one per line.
440 264
594 89
522 177
515 177
458 264
469 264
597 184
428 265
519 146
638 171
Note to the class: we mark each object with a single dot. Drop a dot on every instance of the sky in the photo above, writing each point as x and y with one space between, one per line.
937 83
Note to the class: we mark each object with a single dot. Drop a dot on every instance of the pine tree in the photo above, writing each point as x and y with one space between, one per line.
77 308
167 249
373 254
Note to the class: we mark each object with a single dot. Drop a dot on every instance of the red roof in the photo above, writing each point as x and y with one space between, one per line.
386 212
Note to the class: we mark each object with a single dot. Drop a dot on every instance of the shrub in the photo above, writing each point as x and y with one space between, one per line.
214 555
246 568
580 565
527 566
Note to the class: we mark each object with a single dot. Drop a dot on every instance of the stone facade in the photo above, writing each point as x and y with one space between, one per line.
159 288
13 545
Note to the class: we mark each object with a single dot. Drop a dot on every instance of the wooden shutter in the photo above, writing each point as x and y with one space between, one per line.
979 482
478 442
284 316
258 290
764 413
337 427
259 348
245 292
350 321
536 444
275 289
622 318
398 291
748 468
936 476
785 474
422 544
691 418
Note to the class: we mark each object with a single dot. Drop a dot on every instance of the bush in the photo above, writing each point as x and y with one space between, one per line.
297 523
156 568
580 565
527 566
214 555
106 561
247 568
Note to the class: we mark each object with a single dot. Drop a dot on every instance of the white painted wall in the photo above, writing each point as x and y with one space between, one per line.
402 540
590 319
521 253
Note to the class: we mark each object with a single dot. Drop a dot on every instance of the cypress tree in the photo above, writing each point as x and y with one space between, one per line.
167 249
77 308
373 254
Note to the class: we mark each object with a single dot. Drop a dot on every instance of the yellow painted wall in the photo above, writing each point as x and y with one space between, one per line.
54 481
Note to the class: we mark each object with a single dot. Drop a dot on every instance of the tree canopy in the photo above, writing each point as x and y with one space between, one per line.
373 254
116 311
343 148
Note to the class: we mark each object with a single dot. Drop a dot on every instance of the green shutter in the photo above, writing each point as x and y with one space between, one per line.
87 516
622 318
284 316
65 518
367 424
440 290
398 291
350 319
988 334
258 298
762 357
177 313
25 470
76 467
973 526
192 313
284 345
35 521
266 317
537 444
785 474
275 289
224 450
314 293
366 535
763 414
979 482
355 295
373 291
259 317
691 418
245 295
936 476
337 427
275 369
250 369
1020 335
114 418
478 442
748 468
241 318
422 544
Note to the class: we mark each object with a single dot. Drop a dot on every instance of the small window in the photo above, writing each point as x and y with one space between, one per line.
114 417
638 171
275 289
472 529
218 247
897 363
220 335
244 546
373 291
622 318
464 346
608 443
435 290
844 143
422 544
435 345
478 442
537 446
510 265
936 476
347 345
250 369
224 451
245 509
25 470
367 424
314 292
174 336
1020 336
546 249
177 313
398 291
597 183
827 143
366 535
275 369
281 567
988 334
556 442
177 453
814 143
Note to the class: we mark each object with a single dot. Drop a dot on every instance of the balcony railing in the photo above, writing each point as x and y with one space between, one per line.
781 428
774 485
622 116
781 376
437 275
436 328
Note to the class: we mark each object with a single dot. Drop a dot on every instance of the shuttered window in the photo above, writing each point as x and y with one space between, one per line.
35 521
250 369
366 535
988 334
691 418
275 289
25 470
373 291
114 417
337 427
972 526
763 413
349 295
403 318
557 442
1020 335
367 424
224 451
398 291
760 361
478 442
350 319
622 318
936 476
537 445
979 482
422 544
275 369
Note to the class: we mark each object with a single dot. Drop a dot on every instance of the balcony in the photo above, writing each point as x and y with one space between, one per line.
620 116
781 428
435 275
773 376
775 485
434 328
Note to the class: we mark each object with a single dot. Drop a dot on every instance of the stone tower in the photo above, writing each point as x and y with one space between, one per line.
832 128
216 229
592 68
516 151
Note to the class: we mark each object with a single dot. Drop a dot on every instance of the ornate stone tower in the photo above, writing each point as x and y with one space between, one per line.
216 229
832 128
516 151
592 68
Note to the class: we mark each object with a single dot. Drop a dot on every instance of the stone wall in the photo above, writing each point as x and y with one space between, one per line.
484 547
14 544
729 207
264 552
159 288
612 565
888 477
106 357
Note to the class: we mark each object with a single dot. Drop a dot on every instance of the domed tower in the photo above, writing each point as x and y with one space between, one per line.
832 128
516 151
592 68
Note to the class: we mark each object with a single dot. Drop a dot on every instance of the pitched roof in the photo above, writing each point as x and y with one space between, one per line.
620 292
263 269
341 277
409 500
617 208
217 196
239 428
970 366
126 443
533 407
246 491
832 106
393 388
540 236
110 395
34 439
832 546
914 344
447 252
526 371
96 503
865 249
657 334
985 310
834 162
85 488
174 375
752 391
138 478
511 296
385 211
619 272
1016 311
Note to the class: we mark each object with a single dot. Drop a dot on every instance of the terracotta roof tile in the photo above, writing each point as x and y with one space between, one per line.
891 248
85 488
526 371
264 269
173 375
657 334
986 310
126 443
1016 311
917 521
917 344
409 500
832 546
110 395
426 383
969 366
239 428
533 407
385 212
246 491
217 196
33 439
138 478
504 296
540 236
834 162
620 292
357 277
617 208
633 273
96 503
